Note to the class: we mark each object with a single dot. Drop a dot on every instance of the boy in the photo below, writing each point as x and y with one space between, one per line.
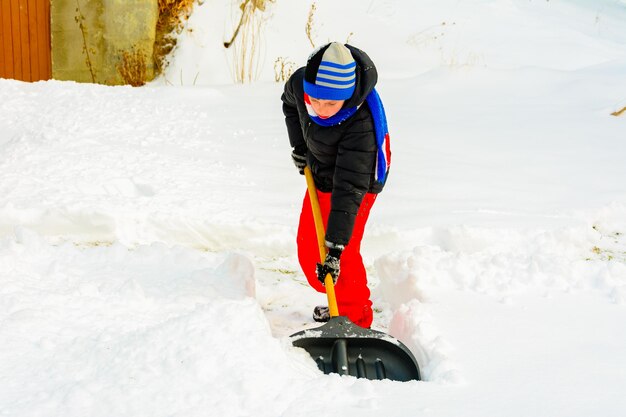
337 126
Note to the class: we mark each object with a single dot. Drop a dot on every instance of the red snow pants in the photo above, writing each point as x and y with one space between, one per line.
353 295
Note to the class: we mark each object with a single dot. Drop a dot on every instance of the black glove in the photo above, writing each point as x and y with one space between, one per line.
331 266
298 154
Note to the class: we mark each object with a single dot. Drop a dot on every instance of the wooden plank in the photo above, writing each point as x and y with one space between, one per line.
15 35
2 70
5 14
45 47
33 40
23 15
43 38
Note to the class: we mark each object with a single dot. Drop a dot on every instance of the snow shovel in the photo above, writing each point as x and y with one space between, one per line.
342 347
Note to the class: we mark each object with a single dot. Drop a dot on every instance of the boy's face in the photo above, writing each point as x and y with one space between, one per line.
326 108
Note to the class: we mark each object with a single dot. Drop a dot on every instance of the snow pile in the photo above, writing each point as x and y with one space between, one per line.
488 262
503 264
157 326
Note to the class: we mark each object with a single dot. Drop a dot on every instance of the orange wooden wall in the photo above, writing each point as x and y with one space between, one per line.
25 40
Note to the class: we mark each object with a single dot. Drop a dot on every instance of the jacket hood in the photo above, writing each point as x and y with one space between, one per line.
366 77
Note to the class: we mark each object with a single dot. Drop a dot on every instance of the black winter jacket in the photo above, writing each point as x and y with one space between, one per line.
342 158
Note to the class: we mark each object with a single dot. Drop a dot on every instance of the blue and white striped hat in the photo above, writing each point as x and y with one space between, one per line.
330 73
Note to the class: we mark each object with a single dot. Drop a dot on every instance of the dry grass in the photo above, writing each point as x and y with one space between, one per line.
132 67
172 13
283 69
309 24
246 51
246 40
247 8
619 112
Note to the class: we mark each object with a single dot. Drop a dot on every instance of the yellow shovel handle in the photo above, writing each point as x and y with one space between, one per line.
321 234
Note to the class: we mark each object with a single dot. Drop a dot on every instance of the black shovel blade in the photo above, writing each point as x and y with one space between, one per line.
342 347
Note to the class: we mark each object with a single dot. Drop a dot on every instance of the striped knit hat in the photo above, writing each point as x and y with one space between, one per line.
330 73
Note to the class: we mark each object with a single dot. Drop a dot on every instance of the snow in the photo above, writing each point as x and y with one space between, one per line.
147 236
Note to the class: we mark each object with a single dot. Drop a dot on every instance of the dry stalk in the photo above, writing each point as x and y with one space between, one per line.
246 49
80 19
247 8
619 112
309 24
246 40
244 15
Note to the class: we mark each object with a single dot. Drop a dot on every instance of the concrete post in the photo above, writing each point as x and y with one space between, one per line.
109 27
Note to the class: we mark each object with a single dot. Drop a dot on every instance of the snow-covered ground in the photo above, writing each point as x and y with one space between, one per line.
147 236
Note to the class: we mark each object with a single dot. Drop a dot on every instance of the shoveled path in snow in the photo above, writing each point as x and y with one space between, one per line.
161 330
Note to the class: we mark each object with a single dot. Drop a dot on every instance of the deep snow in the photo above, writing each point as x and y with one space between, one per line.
147 236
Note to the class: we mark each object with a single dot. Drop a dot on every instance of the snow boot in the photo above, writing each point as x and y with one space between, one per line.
321 314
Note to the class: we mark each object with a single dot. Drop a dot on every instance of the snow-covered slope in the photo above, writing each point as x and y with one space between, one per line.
405 37
147 236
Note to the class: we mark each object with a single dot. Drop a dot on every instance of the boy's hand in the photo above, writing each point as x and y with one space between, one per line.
298 154
331 266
